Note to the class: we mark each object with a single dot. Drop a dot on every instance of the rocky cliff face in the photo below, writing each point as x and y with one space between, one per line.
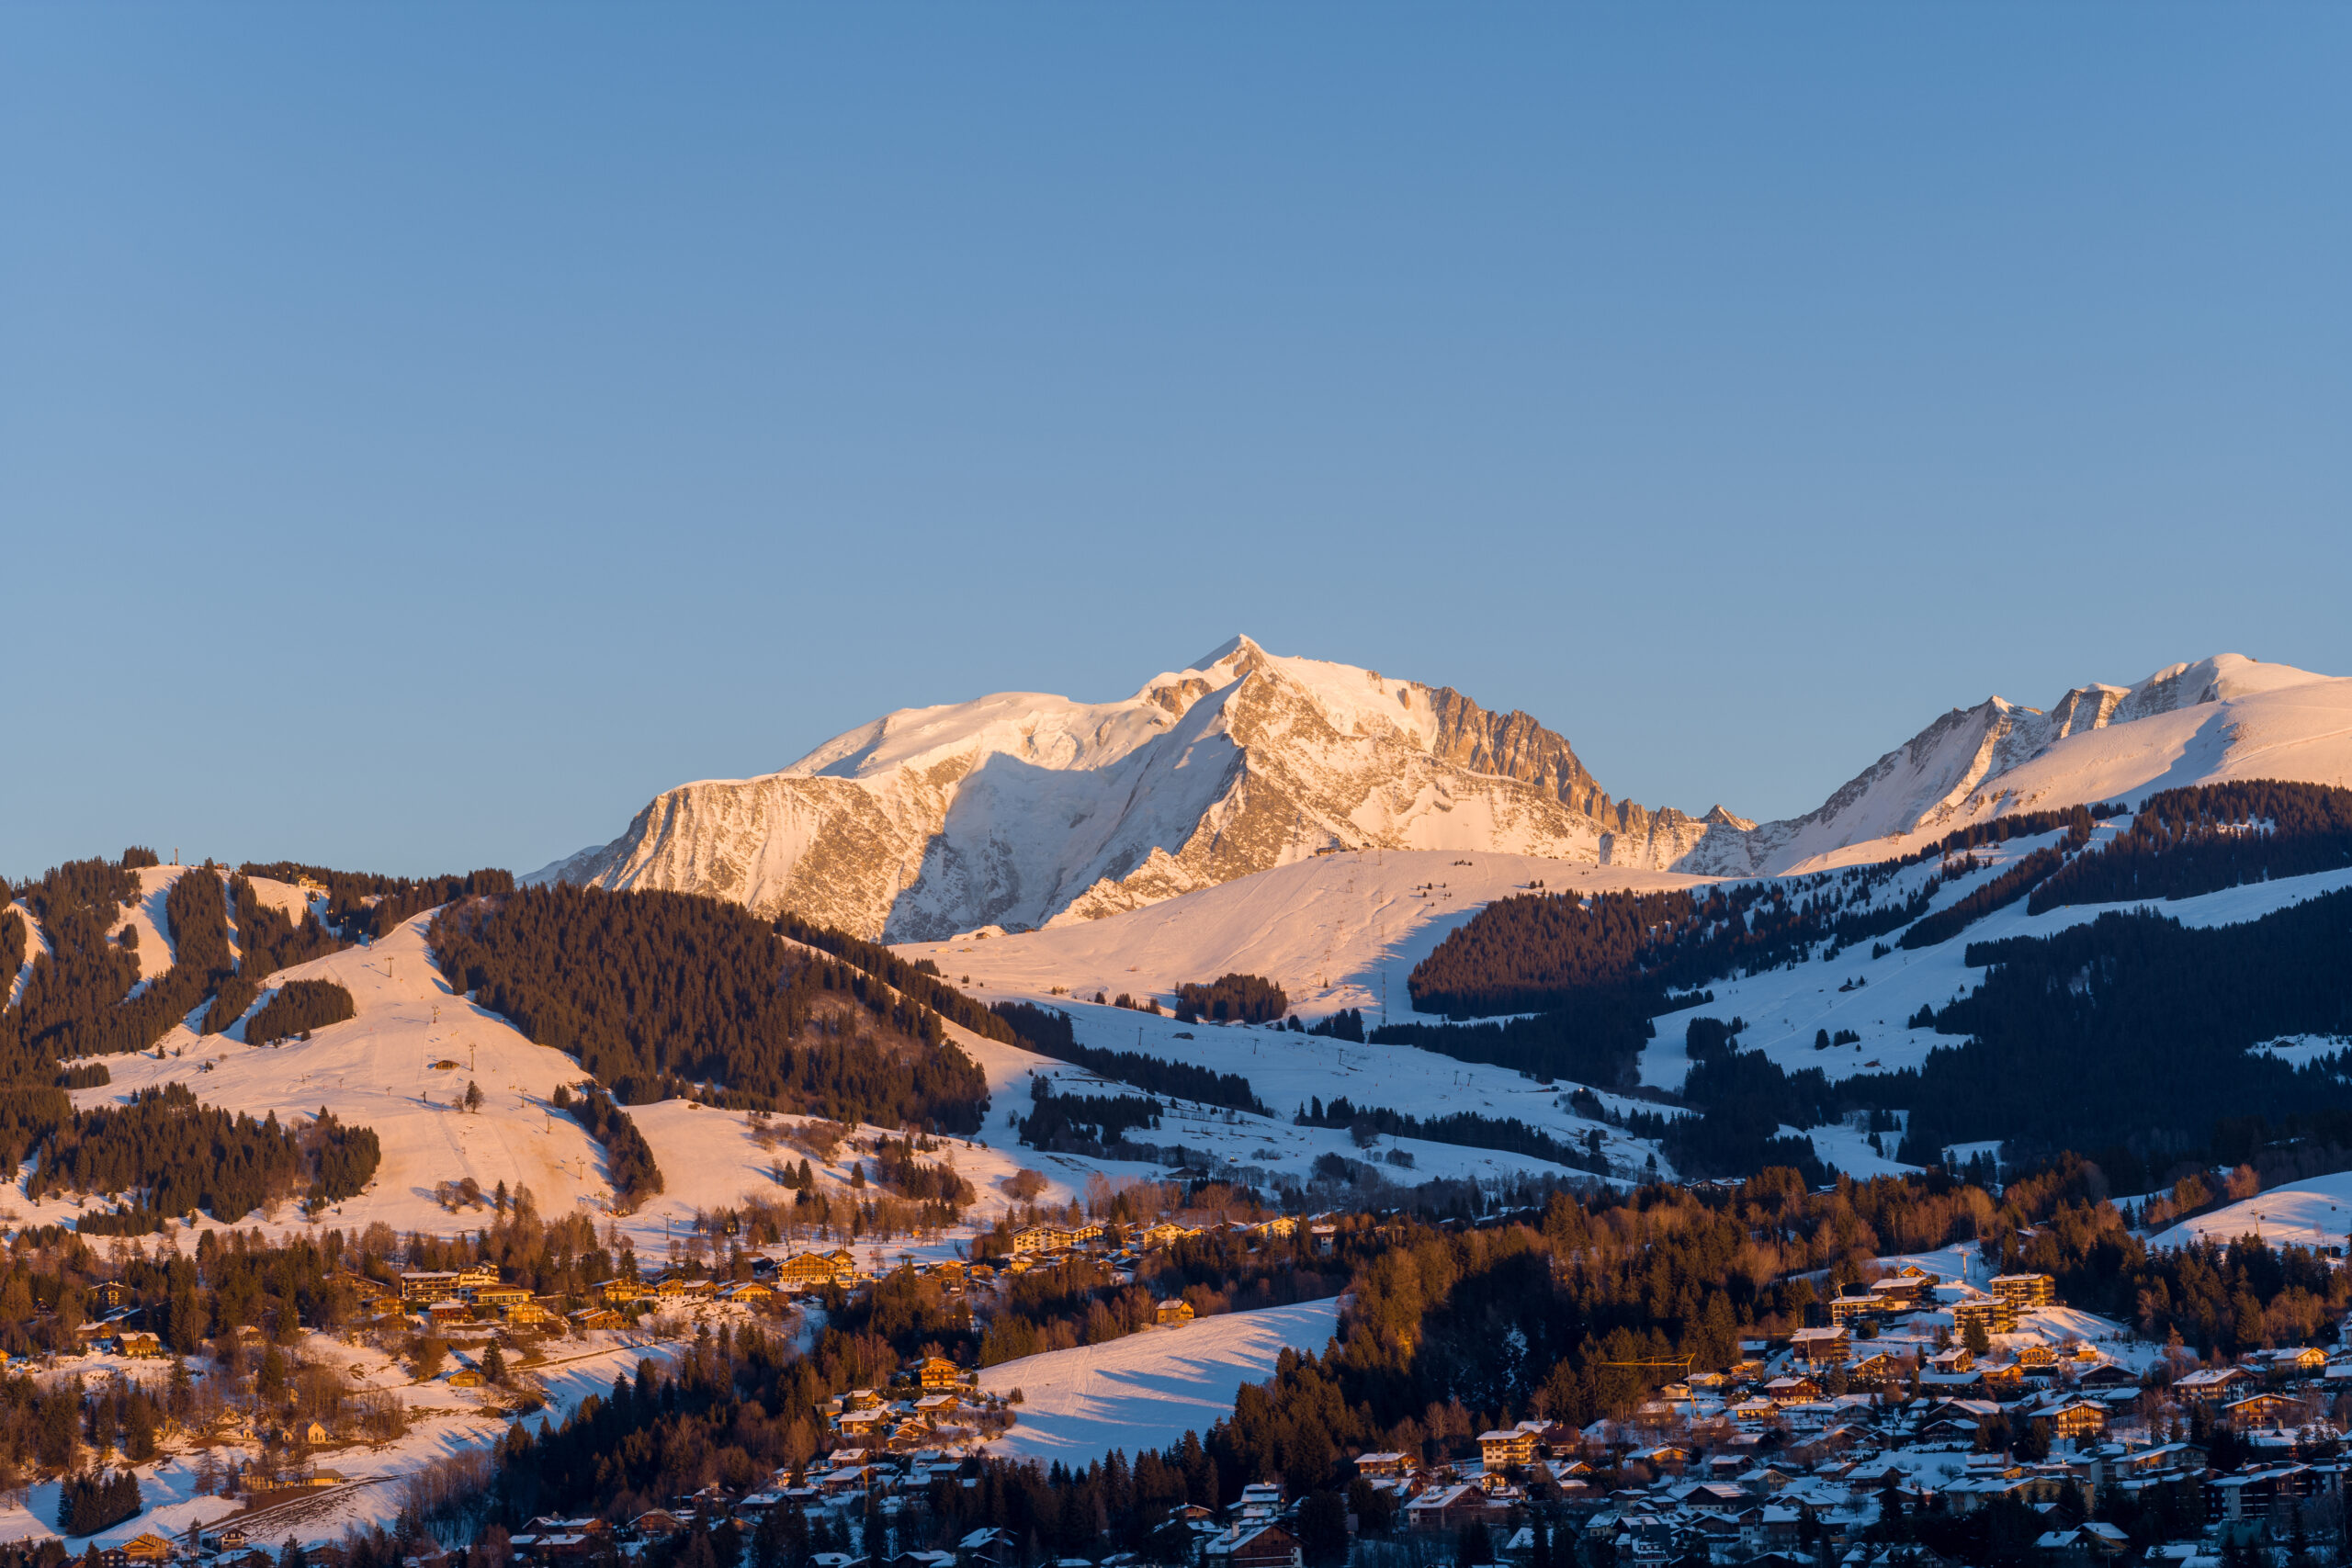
1022 810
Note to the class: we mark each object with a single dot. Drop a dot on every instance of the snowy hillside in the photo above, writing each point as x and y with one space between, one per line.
2315 1211
1146 1391
1020 809
1785 1008
1333 931
2221 718
402 1066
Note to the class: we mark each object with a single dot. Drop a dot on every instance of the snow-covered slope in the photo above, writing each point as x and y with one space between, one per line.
1147 1390
1785 1008
2315 1211
2220 718
1021 810
402 1066
1334 931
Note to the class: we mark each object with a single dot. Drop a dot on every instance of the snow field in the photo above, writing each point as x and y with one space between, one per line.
1147 1390
2315 1211
1334 931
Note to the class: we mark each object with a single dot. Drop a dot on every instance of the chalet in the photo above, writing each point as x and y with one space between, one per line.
804 1269
2075 1418
2023 1293
2298 1361
109 1294
138 1343
1174 1310
1446 1508
315 1432
750 1293
623 1289
2209 1386
147 1547
937 1372
1384 1466
1500 1450
1843 1310
1996 1316
1266 1546
597 1317
2258 1410
1792 1391
1957 1359
2248 1496
1041 1238
465 1377
496 1296
2005 1381
1832 1345
527 1312
427 1285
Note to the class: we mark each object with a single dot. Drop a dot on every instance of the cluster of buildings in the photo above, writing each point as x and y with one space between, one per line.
937 1404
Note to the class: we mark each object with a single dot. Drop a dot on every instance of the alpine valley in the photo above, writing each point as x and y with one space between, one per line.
1079 1010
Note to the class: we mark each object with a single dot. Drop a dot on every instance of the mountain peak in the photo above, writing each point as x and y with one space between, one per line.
1020 809
1240 648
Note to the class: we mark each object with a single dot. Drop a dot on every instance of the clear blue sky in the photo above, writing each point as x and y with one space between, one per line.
426 432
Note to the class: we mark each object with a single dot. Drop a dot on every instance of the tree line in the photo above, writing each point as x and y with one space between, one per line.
919 980
363 904
2183 842
1048 1032
1464 1129
175 1156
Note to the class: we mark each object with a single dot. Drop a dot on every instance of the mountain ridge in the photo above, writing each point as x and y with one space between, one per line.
1019 810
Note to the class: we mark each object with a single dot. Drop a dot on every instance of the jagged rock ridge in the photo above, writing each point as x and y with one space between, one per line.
1021 810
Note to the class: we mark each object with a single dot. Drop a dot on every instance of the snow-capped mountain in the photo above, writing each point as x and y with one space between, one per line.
2224 717
1022 810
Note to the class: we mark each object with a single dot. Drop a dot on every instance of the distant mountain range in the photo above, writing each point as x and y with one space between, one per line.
1021 810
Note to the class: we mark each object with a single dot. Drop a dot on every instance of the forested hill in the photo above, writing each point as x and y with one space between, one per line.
2127 1037
658 994
83 995
1545 950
